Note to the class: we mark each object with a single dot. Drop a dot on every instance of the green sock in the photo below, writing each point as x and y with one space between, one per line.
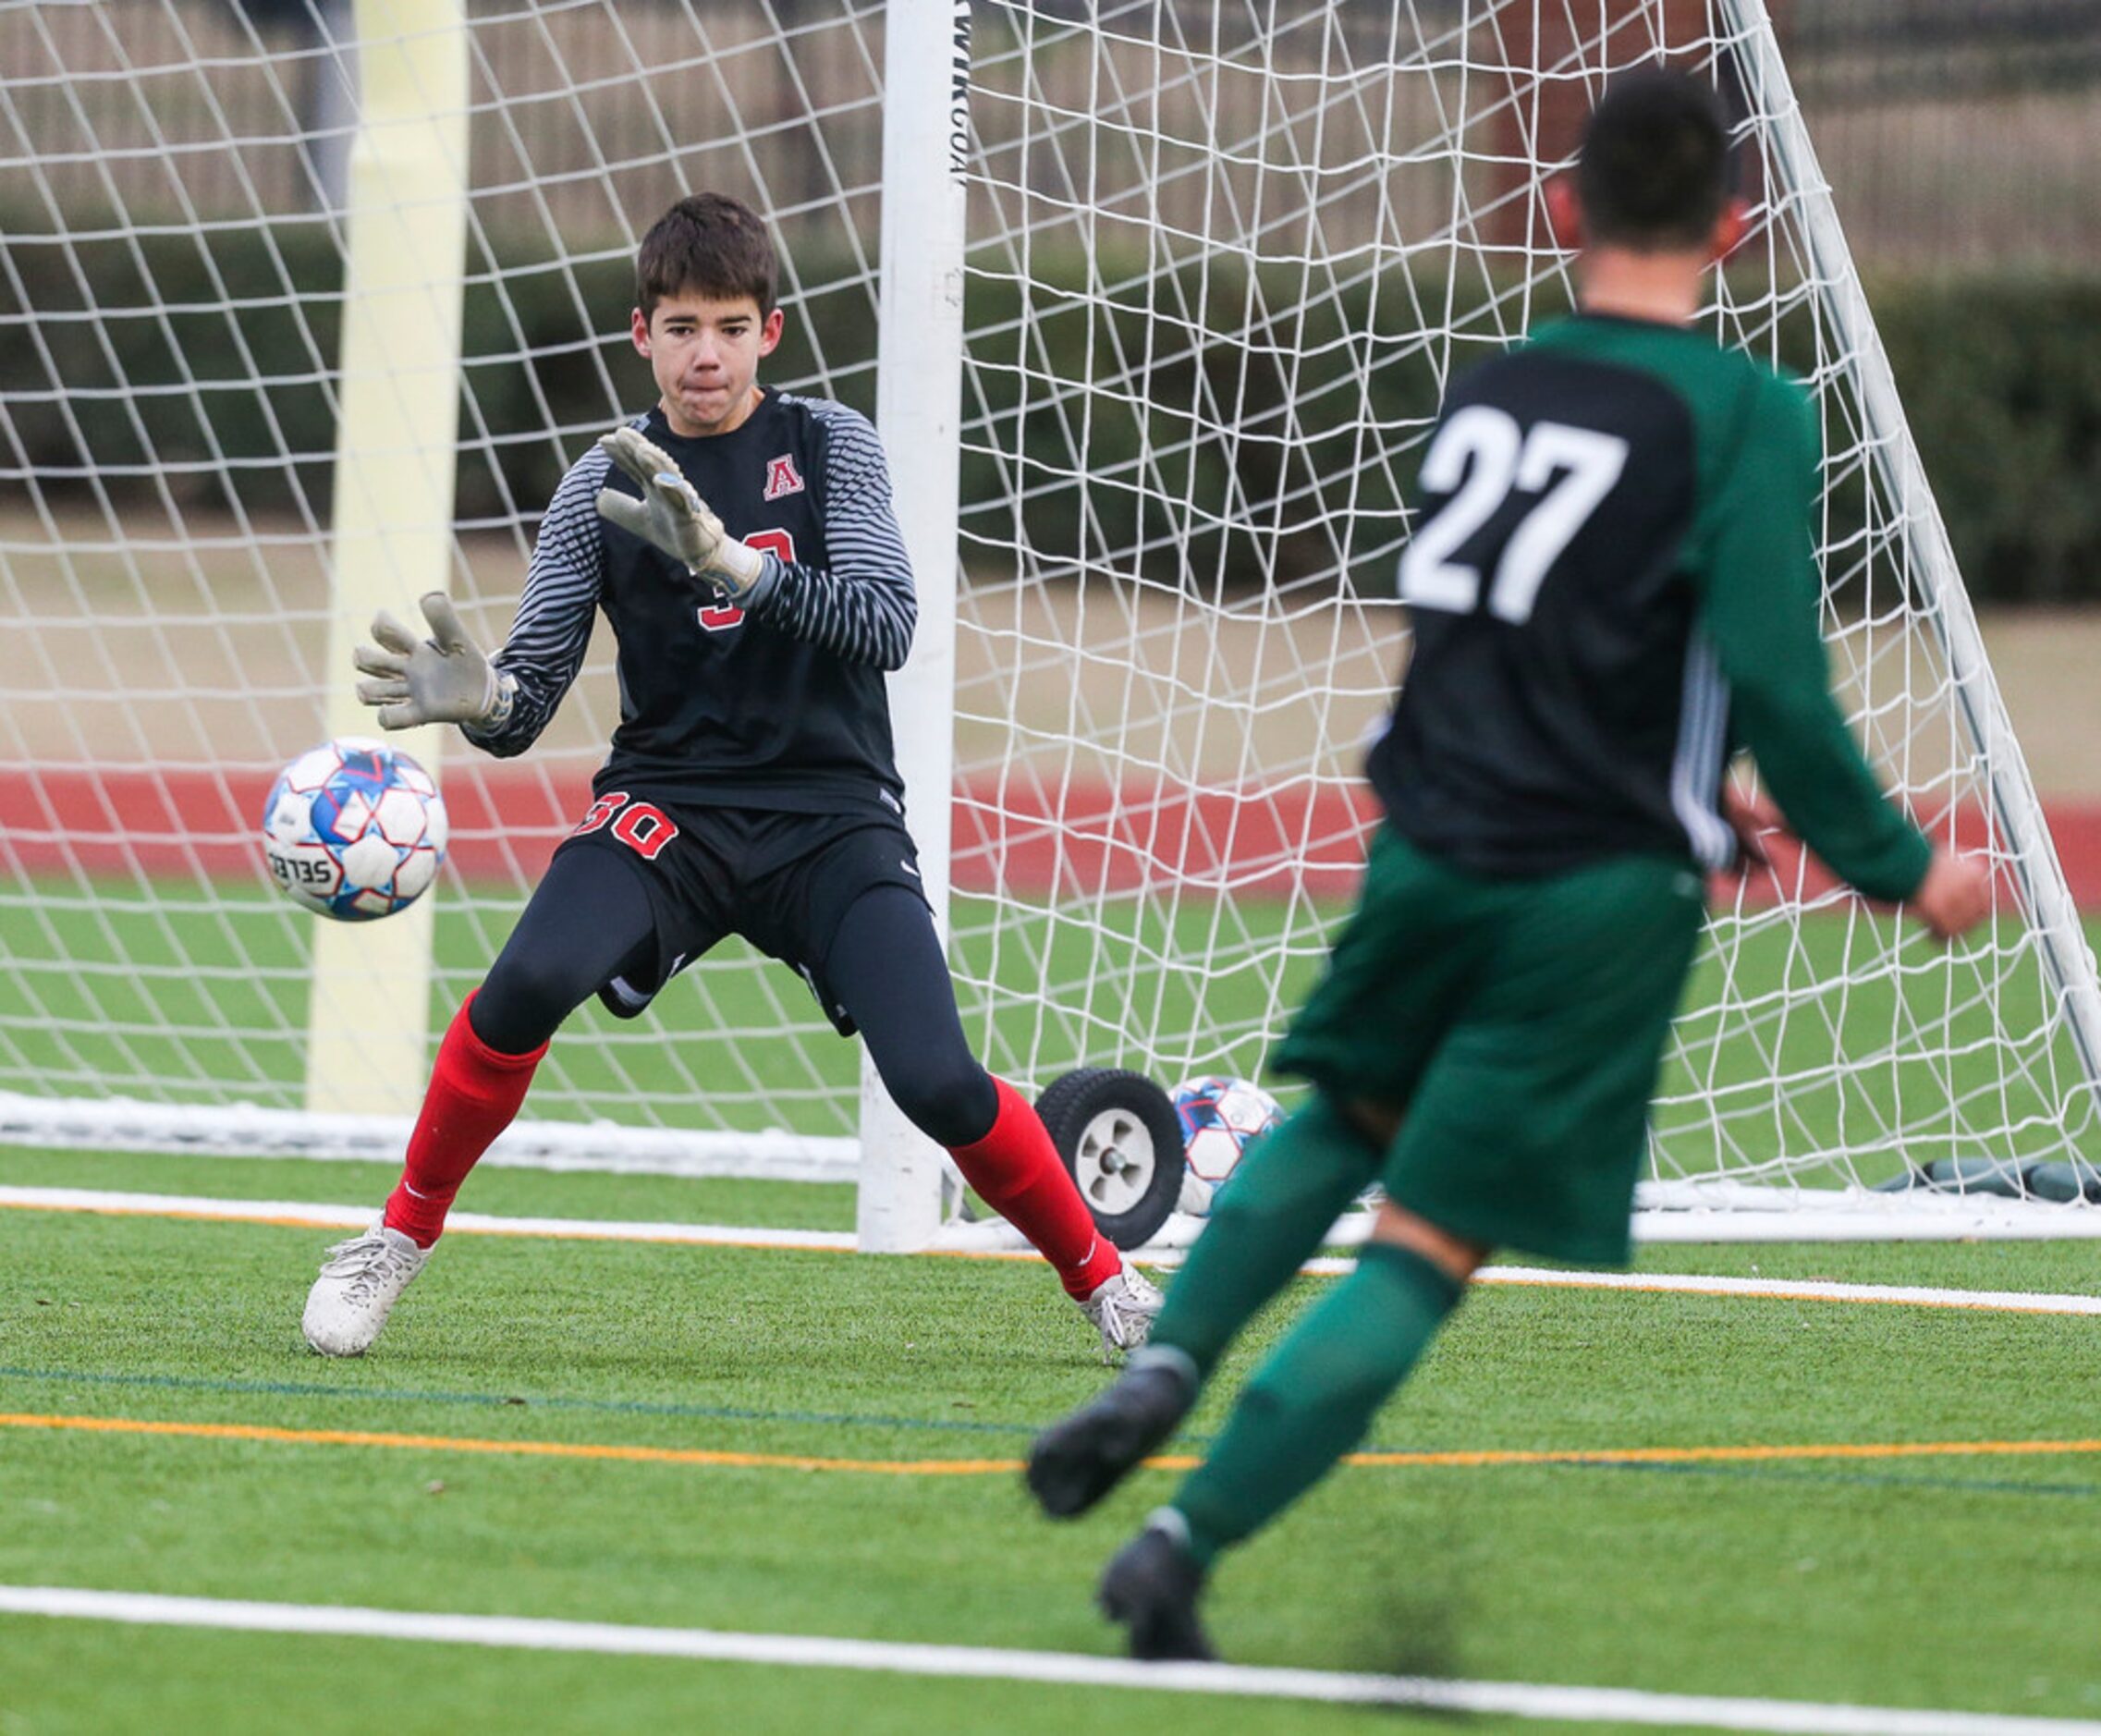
1269 1219
1314 1397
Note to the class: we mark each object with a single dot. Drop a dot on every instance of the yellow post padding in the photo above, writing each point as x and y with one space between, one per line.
368 1017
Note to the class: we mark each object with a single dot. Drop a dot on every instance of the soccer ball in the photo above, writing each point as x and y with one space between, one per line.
354 829
1219 1117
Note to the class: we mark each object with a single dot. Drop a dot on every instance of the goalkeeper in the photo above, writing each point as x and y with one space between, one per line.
1611 579
741 543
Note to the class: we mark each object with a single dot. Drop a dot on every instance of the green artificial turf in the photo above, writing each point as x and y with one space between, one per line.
103 1679
1948 1581
140 991
1952 1581
205 1001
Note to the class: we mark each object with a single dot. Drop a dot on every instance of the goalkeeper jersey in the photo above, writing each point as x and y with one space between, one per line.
780 704
1611 586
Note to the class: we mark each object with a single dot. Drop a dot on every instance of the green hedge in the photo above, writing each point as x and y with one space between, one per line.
2002 380
2002 383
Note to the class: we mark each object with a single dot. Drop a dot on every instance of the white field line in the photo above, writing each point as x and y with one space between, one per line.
306 1214
988 1246
1620 1705
1797 1290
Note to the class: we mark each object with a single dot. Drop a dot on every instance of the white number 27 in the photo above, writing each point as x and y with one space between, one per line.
1503 457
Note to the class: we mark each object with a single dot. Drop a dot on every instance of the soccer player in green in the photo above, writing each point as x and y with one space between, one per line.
1611 582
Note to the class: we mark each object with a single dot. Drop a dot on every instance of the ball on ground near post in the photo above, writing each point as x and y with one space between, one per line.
354 830
1220 1117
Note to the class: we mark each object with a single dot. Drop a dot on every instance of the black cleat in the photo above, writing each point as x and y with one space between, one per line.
1151 1589
1075 1463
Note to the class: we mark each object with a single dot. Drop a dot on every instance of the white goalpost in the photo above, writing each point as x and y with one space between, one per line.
918 408
1152 303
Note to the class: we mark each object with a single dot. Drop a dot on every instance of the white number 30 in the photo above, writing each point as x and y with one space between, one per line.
1484 446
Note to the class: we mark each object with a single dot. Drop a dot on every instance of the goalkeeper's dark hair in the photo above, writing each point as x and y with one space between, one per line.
708 244
1654 171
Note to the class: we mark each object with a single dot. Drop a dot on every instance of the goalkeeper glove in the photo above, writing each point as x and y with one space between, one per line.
671 516
444 678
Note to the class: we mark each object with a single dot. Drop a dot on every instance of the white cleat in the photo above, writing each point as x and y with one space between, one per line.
359 1283
1122 1309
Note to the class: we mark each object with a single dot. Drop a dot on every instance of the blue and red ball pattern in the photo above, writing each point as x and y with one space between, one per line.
1220 1117
354 829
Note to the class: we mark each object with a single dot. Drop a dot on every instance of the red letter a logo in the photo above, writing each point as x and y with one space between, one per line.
782 477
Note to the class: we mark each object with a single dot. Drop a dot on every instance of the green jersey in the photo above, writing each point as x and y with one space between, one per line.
1612 585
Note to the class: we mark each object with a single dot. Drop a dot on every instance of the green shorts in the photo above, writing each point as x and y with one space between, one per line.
1518 1026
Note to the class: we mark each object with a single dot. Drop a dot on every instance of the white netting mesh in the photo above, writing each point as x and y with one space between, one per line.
1278 232
171 195
1221 261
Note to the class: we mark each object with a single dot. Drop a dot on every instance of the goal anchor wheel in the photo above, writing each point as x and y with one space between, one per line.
1121 1143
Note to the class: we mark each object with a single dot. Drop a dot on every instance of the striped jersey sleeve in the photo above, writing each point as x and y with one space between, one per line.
553 630
861 607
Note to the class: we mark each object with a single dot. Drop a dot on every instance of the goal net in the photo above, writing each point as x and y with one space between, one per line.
1217 265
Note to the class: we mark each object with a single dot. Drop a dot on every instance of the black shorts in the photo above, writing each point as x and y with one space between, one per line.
782 880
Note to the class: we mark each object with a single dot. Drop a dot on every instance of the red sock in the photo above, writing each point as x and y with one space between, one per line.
475 1092
1016 1170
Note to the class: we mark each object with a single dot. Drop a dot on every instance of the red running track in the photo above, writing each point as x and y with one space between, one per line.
1081 840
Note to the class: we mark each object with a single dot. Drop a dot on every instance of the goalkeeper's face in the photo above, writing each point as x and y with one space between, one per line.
705 356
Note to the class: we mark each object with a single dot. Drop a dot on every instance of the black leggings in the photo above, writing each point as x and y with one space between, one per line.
590 921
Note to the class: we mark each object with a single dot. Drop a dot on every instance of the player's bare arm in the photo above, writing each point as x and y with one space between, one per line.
1955 896
1753 819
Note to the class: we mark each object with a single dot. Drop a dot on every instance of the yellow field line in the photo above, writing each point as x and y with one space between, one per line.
530 1449
993 1467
